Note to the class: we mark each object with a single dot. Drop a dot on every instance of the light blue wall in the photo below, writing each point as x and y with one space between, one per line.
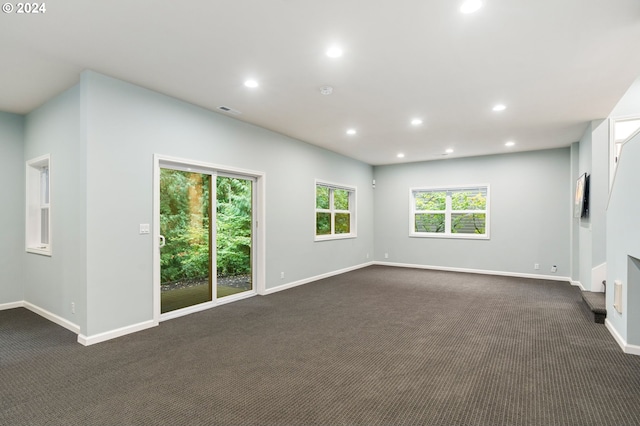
599 191
585 237
575 223
53 283
12 212
623 240
590 241
102 135
126 125
530 213
623 236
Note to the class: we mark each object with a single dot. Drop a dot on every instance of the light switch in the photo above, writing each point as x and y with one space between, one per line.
144 228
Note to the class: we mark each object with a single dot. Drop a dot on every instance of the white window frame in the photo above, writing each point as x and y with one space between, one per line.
615 143
448 212
352 190
38 206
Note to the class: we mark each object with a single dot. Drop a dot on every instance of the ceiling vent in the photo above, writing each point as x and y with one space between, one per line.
229 110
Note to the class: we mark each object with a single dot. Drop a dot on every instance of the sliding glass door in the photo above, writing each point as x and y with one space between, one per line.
206 252
185 226
234 235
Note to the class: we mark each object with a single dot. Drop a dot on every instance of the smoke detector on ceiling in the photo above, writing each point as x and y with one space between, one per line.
326 90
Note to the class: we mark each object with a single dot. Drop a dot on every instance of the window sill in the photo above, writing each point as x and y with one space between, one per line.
40 251
334 237
451 236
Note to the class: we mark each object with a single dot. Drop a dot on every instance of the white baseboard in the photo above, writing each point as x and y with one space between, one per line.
90 340
578 284
52 317
626 348
287 286
11 305
632 349
112 334
205 306
476 271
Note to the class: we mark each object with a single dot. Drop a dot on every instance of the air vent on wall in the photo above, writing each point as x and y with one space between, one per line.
229 110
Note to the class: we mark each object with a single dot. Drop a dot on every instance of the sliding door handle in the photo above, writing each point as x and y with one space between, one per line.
163 241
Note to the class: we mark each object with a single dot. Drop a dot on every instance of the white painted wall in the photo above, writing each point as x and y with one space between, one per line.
530 211
12 212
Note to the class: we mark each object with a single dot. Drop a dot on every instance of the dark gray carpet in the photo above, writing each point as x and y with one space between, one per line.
375 346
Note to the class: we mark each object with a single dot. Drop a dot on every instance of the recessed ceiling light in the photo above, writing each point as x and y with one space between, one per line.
400 155
251 83
334 52
499 107
416 121
351 132
470 6
510 143
449 151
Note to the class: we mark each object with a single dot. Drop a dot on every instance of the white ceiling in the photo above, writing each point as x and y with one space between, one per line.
556 64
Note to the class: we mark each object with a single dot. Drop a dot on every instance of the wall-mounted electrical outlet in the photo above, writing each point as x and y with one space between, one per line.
554 269
281 274
73 307
386 255
536 266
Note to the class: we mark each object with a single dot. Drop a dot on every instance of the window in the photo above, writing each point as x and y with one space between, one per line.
460 212
621 130
38 220
335 211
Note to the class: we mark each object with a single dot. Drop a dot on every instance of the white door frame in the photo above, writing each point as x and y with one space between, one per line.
259 262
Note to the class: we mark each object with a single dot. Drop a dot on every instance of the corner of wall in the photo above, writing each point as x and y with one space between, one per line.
12 214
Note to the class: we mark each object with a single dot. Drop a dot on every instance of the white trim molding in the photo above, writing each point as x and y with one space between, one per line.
332 211
52 317
287 286
579 285
259 242
112 334
449 212
615 148
476 271
11 305
38 233
75 328
206 305
626 348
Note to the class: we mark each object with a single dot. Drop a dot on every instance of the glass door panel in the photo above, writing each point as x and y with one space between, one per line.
234 237
185 259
